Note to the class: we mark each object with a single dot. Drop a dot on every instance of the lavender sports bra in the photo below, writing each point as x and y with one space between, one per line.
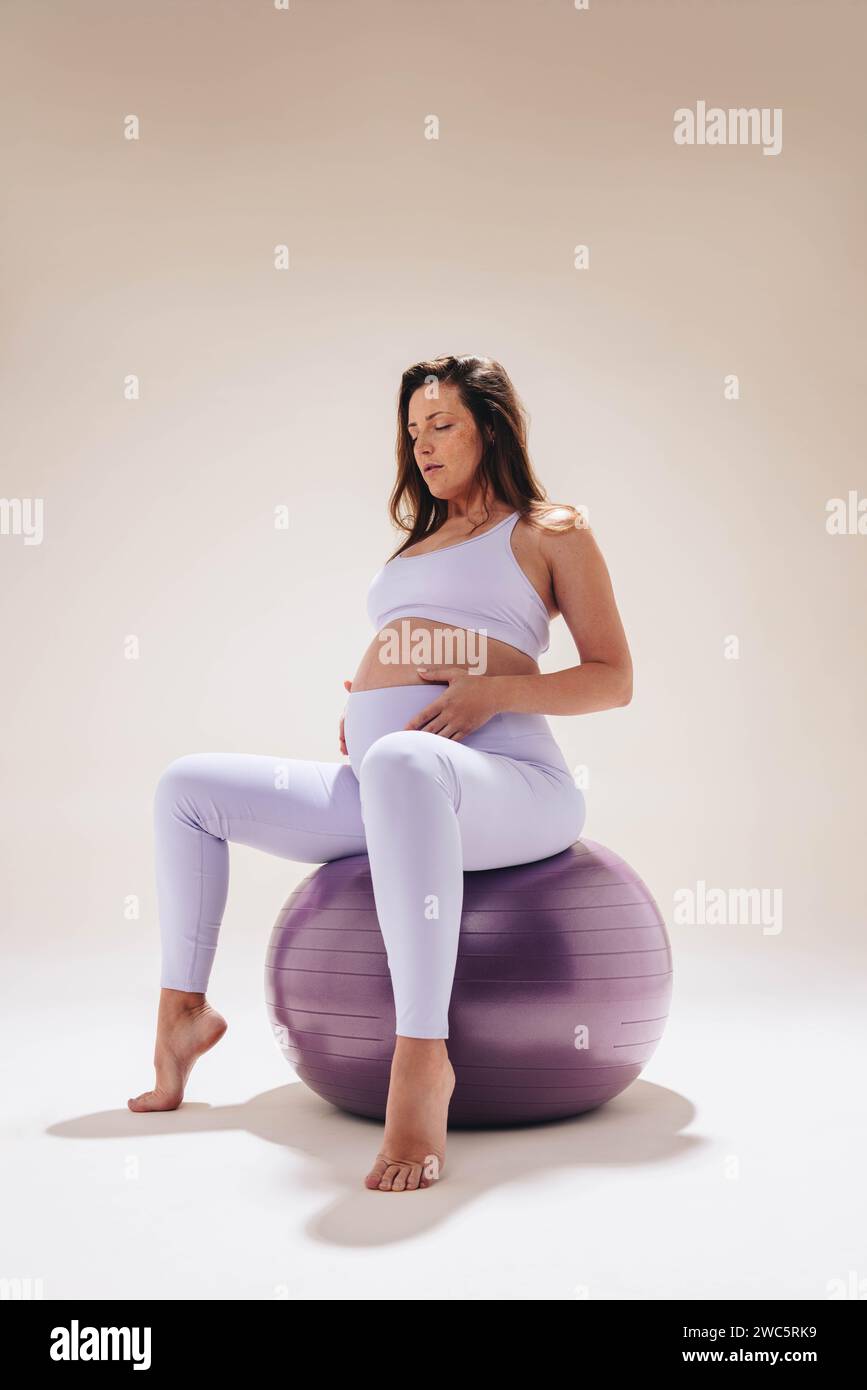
476 584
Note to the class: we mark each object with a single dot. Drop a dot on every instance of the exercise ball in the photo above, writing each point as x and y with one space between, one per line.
561 989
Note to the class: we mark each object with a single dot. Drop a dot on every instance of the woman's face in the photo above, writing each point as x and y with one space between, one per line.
446 441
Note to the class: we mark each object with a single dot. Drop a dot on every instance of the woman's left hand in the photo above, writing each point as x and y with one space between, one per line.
467 704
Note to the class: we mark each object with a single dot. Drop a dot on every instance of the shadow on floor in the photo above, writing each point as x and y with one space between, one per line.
643 1125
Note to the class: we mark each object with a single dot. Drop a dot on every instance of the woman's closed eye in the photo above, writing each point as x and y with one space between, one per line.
437 429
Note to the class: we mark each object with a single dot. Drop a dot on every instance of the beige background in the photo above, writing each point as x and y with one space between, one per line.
261 388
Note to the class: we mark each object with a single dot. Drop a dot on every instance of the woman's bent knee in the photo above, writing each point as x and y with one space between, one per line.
399 751
177 775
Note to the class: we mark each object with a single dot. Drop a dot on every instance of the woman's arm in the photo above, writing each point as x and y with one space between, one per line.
584 595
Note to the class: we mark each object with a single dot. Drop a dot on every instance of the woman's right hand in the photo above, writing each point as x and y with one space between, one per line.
347 685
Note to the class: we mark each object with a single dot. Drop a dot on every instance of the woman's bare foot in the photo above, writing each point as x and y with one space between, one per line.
187 1026
413 1150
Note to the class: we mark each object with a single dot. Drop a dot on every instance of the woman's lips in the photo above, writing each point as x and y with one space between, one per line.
432 467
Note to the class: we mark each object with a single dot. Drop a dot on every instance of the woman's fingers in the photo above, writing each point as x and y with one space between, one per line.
424 716
436 726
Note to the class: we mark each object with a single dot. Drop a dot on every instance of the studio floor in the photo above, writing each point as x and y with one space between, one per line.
734 1168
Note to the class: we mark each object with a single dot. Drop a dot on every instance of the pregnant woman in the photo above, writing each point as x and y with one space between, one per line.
452 764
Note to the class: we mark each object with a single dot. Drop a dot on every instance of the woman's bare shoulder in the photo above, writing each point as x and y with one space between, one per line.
554 523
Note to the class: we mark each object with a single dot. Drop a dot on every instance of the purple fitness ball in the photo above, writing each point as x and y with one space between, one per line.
561 990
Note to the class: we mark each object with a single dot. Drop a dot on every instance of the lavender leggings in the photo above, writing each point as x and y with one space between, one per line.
422 807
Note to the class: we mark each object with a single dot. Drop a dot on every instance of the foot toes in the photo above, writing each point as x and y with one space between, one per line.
413 1181
388 1177
153 1100
376 1172
399 1184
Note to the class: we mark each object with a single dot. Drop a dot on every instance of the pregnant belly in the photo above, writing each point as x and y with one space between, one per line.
396 652
370 714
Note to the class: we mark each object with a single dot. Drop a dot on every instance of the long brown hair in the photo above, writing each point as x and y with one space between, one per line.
505 471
